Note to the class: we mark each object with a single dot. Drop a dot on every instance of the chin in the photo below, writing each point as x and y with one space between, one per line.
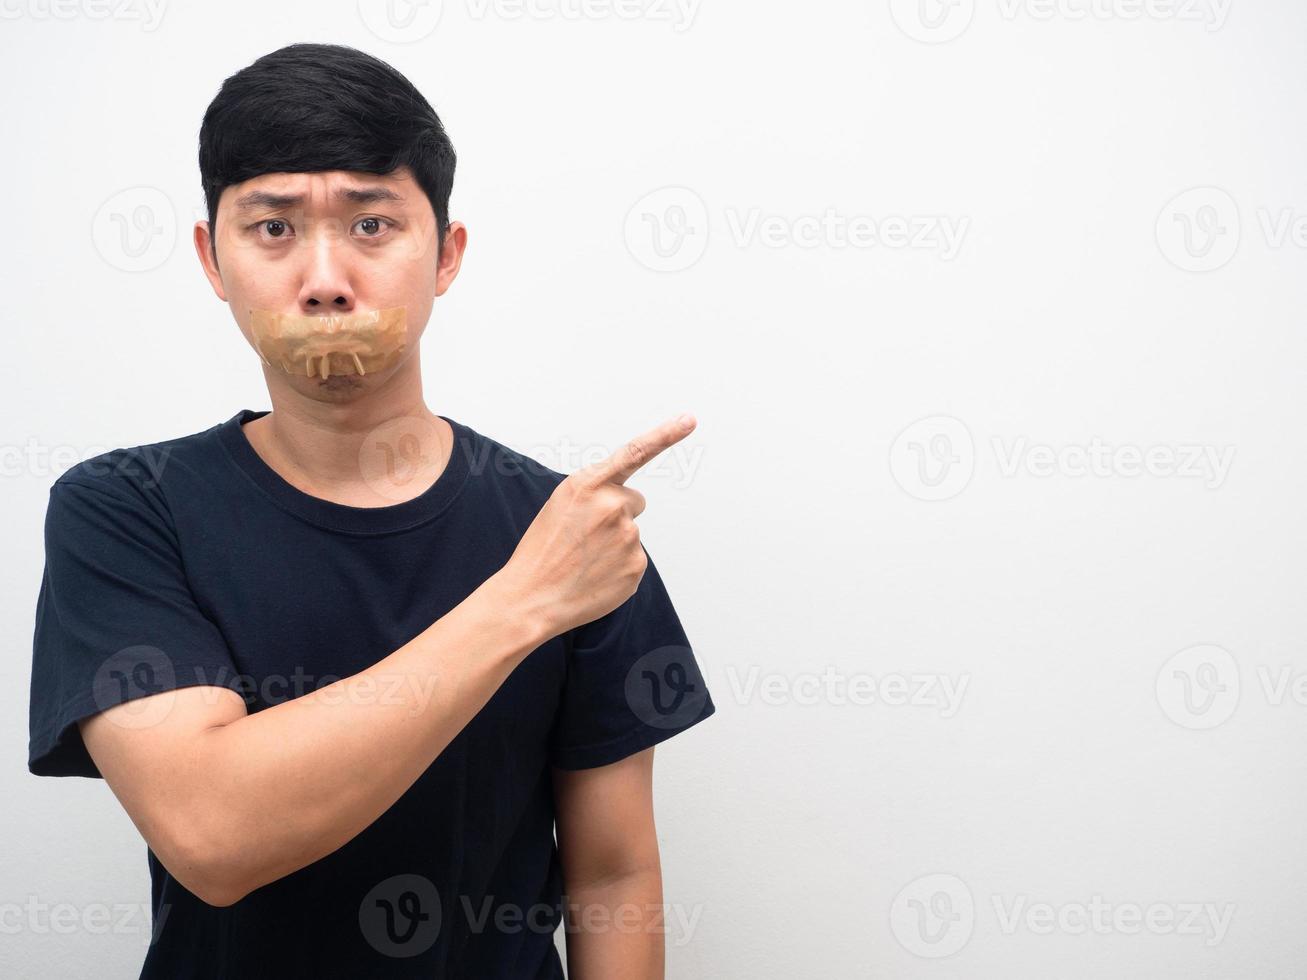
339 384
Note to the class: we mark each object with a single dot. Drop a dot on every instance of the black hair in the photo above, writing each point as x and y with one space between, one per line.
314 107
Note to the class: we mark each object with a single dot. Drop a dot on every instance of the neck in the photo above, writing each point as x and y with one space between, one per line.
324 445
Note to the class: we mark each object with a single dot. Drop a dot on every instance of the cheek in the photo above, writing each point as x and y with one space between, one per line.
253 282
418 310
238 278
414 285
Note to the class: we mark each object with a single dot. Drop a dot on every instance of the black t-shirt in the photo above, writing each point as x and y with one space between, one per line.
191 561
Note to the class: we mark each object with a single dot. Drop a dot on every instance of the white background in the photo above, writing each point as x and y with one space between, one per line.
887 475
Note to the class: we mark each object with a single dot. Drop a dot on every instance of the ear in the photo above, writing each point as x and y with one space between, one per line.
204 248
451 256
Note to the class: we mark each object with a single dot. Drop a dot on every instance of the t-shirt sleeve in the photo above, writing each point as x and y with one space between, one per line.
116 619
632 681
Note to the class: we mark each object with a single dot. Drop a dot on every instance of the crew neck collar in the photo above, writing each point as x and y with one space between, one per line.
328 514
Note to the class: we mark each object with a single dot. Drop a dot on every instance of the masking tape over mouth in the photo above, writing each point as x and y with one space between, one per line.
347 343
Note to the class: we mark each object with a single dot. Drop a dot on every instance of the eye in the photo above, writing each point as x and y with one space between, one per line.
275 228
372 227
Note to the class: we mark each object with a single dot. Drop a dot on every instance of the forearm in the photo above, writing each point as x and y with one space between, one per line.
288 785
616 929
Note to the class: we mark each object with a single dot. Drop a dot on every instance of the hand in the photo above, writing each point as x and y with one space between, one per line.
581 557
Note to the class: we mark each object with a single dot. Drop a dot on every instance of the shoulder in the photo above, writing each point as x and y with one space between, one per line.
139 474
512 472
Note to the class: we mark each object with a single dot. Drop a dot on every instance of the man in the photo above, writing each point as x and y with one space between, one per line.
346 663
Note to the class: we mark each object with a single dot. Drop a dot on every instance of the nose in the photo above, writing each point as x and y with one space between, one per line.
326 278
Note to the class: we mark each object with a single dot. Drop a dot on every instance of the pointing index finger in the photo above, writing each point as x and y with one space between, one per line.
621 465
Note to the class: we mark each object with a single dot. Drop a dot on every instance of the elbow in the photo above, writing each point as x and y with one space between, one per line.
214 883
218 893
208 871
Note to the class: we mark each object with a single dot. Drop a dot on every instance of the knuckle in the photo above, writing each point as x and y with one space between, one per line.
613 505
580 492
636 449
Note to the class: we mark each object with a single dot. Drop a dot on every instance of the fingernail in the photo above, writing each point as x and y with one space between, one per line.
685 419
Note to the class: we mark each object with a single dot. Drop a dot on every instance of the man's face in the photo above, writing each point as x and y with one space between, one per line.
332 242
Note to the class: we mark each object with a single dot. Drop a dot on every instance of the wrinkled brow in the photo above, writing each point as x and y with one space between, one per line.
261 200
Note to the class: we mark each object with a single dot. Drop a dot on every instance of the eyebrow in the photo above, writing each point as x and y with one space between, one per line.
259 200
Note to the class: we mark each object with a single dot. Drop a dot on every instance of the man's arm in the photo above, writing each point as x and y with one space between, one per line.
611 873
231 801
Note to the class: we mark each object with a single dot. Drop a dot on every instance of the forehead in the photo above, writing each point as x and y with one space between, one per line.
324 189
